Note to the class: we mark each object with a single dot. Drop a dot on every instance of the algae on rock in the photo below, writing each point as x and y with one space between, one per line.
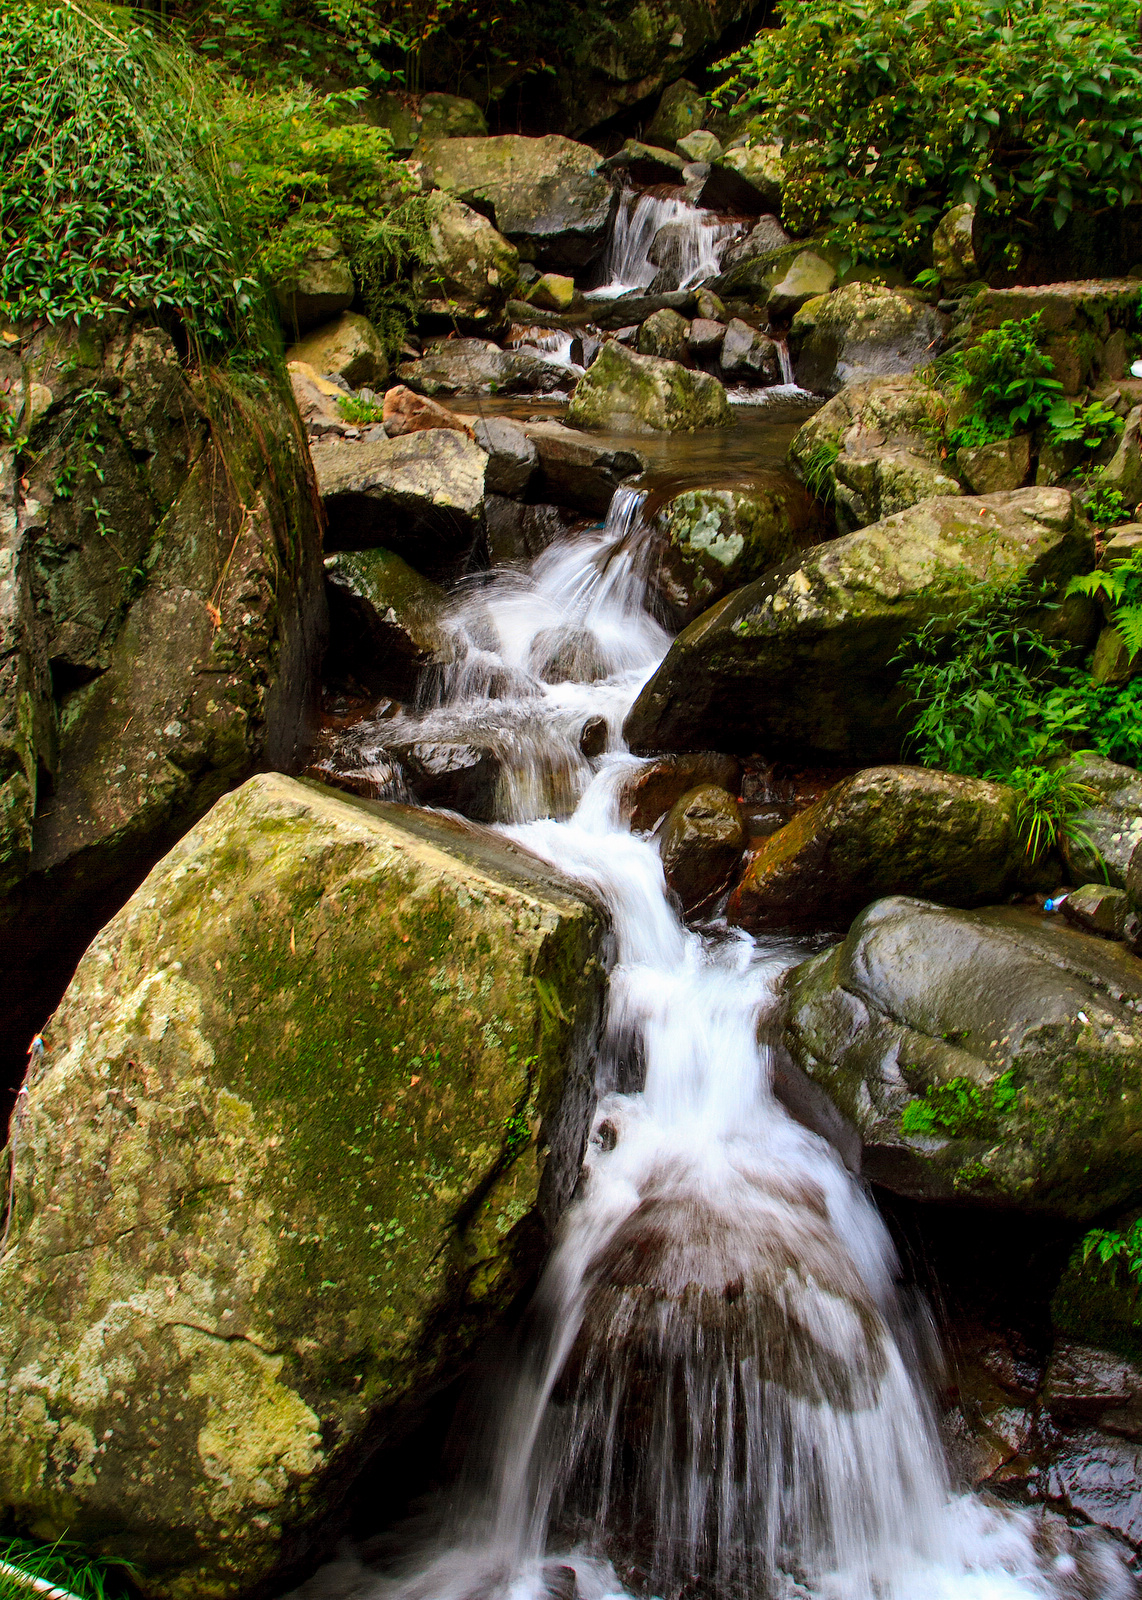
628 393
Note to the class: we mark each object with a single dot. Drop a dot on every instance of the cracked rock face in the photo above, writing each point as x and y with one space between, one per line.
279 1171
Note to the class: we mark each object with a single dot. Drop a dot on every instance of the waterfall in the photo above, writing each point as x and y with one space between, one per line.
690 243
716 1392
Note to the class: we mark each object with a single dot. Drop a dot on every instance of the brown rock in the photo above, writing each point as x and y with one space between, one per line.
405 412
702 844
651 792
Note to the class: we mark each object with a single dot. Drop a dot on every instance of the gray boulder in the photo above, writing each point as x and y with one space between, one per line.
627 393
476 366
664 334
450 116
578 471
469 269
681 110
512 456
747 355
860 332
315 291
385 622
349 348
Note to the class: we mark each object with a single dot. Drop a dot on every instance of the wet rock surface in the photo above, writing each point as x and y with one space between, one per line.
385 627
648 795
863 331
702 843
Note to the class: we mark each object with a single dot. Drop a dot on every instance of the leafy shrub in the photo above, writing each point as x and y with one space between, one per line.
1106 507
1121 588
1049 797
1092 425
1111 1245
356 409
1107 718
893 110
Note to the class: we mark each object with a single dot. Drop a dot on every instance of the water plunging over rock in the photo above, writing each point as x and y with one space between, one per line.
660 239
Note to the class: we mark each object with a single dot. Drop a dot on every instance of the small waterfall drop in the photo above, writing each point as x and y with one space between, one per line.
690 243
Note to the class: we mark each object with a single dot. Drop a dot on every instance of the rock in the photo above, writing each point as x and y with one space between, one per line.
1124 470
384 622
861 331
797 664
469 269
628 393
681 110
349 348
888 830
149 661
452 774
706 337
710 541
421 495
1097 1477
1098 1303
405 412
983 1056
316 291
647 164
1098 909
664 334
762 168
316 399
448 116
747 354
512 456
807 276
552 292
721 187
649 794
764 238
547 195
576 470
594 737
1079 322
1107 831
990 468
1085 1384
1112 662
1125 543
953 251
700 145
702 843
870 450
517 533
707 305
476 366
566 655
320 1200
389 111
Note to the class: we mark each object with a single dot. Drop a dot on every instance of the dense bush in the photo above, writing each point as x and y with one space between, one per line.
893 110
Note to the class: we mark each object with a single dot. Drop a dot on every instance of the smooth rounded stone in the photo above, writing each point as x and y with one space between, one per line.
681 110
1098 909
421 495
807 276
747 354
766 236
476 366
315 291
700 145
708 305
594 736
710 541
664 334
566 655
627 393
870 450
450 116
648 795
798 664
861 331
546 195
453 774
706 337
516 533
989 468
513 458
702 843
953 249
385 625
552 292
762 168
404 411
285 1071
349 348
1097 1303
1107 831
990 1056
578 471
469 268
888 830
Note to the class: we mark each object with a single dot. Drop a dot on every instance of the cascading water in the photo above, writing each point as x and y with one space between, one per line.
690 251
716 1394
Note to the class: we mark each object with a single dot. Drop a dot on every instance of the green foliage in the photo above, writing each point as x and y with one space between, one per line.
1106 717
355 409
1111 1245
277 41
961 1109
68 1566
893 110
1121 588
1049 798
1106 506
817 470
1092 425
978 428
1008 377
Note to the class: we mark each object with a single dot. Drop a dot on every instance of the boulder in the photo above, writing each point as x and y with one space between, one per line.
476 366
552 292
151 656
806 277
349 348
512 456
681 110
764 238
566 655
953 249
1097 908
316 399
721 187
469 268
991 1056
647 164
627 393
762 168
699 145
710 541
748 355
390 111
547 195
990 468
405 412
649 793
800 662
458 775
888 830
576 470
701 845
318 289
706 337
517 533
1084 324
1107 831
1113 662
870 450
326 1080
708 305
1124 469
862 331
385 625
421 495
450 116
664 334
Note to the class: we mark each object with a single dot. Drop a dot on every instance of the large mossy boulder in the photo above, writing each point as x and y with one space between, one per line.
801 663
420 494
349 348
161 626
1106 836
313 1101
870 451
628 393
1087 327
707 542
681 110
992 1056
476 366
386 623
546 195
888 830
862 331
469 268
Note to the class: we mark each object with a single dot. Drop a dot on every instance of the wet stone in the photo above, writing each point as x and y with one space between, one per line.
649 794
567 655
702 843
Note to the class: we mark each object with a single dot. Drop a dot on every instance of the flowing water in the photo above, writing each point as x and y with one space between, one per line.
716 1392
690 243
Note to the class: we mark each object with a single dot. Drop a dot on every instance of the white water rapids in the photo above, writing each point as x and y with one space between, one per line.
716 1392
690 243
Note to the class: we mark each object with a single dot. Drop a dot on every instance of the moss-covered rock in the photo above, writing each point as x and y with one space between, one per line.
665 334
861 331
681 109
1107 835
702 843
800 662
313 1099
316 290
385 622
628 393
450 116
350 348
1083 323
470 268
985 1056
953 247
476 366
762 167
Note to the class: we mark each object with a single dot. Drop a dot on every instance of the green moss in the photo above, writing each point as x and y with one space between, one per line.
962 1108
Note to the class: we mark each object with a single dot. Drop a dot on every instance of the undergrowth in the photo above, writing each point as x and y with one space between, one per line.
1111 1245
66 1565
962 1108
